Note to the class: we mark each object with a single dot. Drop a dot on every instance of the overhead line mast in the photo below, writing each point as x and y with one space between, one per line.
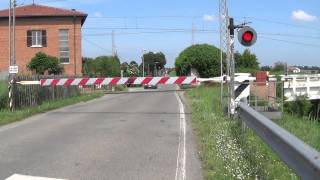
247 36
224 46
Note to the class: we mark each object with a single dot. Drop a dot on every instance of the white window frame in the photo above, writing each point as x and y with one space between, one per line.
64 39
36 39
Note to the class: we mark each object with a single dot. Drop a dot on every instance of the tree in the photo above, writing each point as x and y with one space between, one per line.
246 62
279 67
133 70
154 60
124 67
104 66
134 63
265 68
204 58
42 63
237 57
88 67
107 66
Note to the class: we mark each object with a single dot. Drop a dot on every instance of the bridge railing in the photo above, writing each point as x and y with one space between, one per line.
302 158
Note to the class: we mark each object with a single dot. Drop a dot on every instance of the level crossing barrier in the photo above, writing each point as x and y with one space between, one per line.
183 80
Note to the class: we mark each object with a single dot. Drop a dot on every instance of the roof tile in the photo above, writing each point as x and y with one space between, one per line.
35 10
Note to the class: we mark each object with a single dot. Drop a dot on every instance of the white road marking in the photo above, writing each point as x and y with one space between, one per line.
23 177
181 158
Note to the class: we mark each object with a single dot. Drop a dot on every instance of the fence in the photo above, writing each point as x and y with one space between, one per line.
302 158
266 96
34 94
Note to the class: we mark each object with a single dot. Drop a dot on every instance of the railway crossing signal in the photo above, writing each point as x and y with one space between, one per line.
247 36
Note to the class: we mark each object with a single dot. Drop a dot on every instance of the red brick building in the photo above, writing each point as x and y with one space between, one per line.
54 31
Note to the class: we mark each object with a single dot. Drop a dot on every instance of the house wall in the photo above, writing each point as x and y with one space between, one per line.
264 91
52 25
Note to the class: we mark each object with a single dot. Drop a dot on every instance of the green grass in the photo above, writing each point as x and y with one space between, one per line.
227 150
3 94
303 128
7 116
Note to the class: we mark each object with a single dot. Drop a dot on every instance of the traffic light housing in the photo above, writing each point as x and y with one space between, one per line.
247 36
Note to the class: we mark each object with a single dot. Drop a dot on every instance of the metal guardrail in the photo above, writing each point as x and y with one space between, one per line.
303 159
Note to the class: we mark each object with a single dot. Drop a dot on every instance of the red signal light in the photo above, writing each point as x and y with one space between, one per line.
247 36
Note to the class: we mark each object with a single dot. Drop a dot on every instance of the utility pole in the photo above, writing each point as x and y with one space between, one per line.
14 32
193 34
12 52
74 42
10 32
113 44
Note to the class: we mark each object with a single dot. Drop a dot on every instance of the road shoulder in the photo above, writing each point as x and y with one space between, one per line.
193 163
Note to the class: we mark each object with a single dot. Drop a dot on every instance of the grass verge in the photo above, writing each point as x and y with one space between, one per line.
7 116
305 129
227 150
3 94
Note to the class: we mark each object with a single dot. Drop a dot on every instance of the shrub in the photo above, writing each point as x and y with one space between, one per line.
300 107
42 63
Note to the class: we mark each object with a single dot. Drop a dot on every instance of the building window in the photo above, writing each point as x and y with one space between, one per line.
64 50
37 38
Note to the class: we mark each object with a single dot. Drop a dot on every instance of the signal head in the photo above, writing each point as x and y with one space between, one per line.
247 36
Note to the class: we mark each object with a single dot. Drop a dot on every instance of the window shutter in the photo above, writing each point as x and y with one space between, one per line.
44 38
29 38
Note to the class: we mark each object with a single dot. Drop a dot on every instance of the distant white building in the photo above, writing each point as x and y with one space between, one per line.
294 70
299 85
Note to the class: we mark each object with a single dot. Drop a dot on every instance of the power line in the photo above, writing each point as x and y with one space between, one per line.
22 38
291 42
290 35
96 45
283 23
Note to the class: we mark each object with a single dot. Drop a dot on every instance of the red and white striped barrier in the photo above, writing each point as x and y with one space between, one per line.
117 81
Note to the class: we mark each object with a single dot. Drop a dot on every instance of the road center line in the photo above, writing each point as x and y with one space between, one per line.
181 157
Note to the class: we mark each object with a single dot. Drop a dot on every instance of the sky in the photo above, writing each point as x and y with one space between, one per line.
288 30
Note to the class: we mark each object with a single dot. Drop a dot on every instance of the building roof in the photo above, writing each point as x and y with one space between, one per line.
36 10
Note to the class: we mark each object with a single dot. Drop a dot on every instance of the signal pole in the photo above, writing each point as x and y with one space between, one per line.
232 66
224 48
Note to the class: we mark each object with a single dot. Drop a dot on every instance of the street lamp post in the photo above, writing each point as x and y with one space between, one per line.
156 69
143 51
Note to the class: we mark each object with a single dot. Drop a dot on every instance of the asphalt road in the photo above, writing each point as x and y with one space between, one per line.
120 136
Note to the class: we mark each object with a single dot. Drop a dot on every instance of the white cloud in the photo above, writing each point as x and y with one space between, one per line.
208 17
300 15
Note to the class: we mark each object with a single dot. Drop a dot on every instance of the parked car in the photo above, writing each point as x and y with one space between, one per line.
149 86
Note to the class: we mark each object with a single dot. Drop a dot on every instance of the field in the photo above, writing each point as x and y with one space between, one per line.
228 151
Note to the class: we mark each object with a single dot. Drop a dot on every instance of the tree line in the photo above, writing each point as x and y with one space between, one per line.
206 60
108 66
